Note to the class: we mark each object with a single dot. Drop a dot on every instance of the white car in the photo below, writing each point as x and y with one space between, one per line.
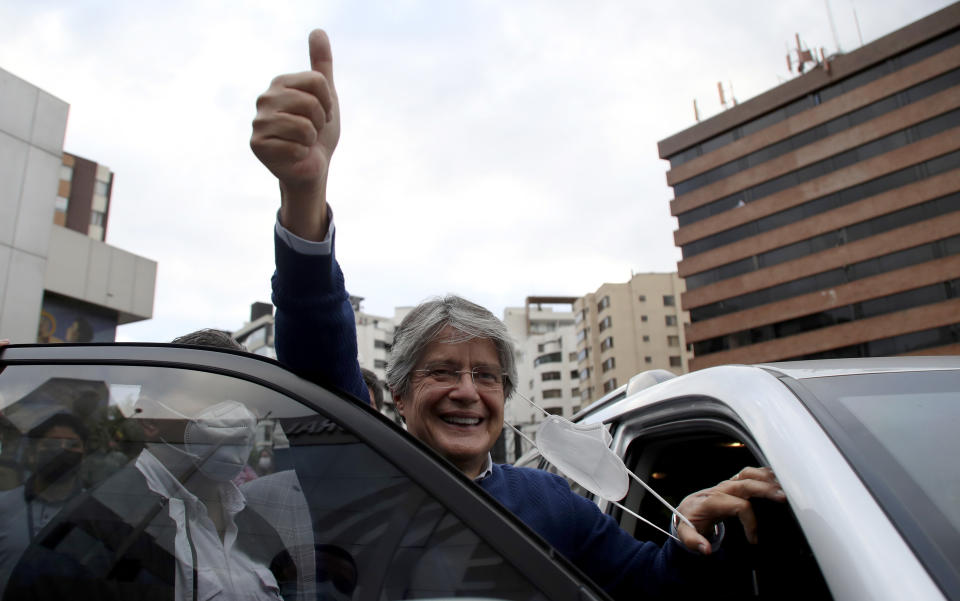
867 450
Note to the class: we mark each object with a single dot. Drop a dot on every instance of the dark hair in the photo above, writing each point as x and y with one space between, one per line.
60 419
373 383
210 337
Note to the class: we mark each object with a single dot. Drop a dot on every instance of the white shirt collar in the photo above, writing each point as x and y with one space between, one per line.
487 469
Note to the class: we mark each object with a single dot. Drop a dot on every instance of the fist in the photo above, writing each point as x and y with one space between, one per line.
298 122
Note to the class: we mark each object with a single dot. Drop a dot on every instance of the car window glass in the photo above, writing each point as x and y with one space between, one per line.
142 483
899 431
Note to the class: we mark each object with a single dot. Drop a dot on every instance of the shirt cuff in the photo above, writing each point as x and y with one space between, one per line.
302 245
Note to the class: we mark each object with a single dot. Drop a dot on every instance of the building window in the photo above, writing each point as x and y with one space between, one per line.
609 364
648 359
572 356
574 374
66 173
553 393
646 338
671 320
100 188
584 354
585 373
675 361
96 218
60 204
605 323
643 318
582 334
549 375
381 344
642 298
379 364
607 343
553 410
575 392
603 304
548 358
610 384
673 341
668 300
580 316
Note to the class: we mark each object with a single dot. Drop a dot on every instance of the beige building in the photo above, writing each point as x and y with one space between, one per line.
546 352
625 329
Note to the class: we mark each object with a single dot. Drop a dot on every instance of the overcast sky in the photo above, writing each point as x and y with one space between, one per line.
492 149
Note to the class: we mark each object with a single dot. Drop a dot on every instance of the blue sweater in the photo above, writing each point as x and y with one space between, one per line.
316 336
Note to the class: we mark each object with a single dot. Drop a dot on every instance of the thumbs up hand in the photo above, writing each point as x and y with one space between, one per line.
294 135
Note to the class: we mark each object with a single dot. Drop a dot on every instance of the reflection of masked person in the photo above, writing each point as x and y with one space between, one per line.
54 454
171 524
216 443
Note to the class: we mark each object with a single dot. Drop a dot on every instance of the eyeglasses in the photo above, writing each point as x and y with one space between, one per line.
484 378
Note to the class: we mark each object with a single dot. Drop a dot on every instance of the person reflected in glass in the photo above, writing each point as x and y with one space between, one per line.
55 450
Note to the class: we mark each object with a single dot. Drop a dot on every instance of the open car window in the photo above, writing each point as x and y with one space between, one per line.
678 457
148 481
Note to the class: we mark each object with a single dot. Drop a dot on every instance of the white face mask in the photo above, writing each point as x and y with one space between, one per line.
221 438
218 440
582 452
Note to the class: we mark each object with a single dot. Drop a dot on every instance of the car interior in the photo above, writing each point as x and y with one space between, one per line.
677 463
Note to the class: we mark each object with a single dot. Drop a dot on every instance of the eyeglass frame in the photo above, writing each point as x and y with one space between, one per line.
425 372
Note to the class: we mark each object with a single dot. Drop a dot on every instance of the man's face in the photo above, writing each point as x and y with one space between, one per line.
463 422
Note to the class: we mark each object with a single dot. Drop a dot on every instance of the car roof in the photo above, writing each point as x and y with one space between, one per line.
821 368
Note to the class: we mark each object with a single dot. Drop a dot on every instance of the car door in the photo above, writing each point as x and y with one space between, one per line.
346 497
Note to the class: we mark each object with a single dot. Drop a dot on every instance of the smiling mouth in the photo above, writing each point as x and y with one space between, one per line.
461 421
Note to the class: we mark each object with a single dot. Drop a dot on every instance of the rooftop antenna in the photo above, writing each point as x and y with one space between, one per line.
856 20
833 27
723 99
696 115
802 56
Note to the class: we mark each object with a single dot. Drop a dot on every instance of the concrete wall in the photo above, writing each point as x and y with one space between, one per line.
94 272
32 128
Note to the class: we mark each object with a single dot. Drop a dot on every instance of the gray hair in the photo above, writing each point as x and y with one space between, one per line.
419 328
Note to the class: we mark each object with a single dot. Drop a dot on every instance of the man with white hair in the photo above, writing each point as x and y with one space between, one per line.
452 367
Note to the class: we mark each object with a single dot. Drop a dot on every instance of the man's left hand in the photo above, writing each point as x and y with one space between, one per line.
727 499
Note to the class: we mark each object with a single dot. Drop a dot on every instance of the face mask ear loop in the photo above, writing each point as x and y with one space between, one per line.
522 435
646 521
535 406
662 500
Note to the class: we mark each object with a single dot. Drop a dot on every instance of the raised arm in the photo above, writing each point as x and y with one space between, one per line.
294 135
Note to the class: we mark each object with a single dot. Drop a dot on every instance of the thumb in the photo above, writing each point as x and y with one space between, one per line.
321 59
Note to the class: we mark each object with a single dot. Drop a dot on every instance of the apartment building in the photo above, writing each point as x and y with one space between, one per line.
624 329
546 359
822 218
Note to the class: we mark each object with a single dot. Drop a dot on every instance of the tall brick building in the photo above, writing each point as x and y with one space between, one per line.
822 218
